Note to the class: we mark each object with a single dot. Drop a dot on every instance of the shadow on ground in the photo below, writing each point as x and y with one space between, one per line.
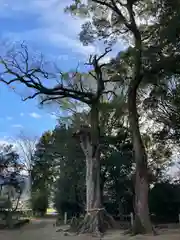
43 229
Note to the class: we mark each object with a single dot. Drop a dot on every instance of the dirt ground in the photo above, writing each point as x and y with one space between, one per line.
44 230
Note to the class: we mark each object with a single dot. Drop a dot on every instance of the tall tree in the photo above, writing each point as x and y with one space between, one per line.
149 58
72 168
123 17
26 146
12 182
87 88
43 171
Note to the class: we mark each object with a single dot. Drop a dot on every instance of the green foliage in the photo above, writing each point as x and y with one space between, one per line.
163 105
44 171
59 157
70 184
165 202
116 163
43 164
12 181
5 203
39 202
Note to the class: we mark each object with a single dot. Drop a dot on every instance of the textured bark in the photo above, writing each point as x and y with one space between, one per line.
90 146
96 220
93 193
142 223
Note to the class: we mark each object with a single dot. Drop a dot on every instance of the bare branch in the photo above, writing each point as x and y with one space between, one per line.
97 73
31 97
33 78
26 147
107 50
18 68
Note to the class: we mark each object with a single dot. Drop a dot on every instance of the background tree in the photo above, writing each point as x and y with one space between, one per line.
25 146
164 195
43 173
71 172
12 181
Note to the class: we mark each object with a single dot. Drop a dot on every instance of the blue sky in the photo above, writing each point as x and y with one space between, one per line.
45 28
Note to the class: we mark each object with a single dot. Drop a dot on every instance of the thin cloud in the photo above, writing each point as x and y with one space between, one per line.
35 115
9 118
21 114
17 126
53 116
3 142
50 15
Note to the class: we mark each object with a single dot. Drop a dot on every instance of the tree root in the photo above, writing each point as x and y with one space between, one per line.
132 232
138 228
96 223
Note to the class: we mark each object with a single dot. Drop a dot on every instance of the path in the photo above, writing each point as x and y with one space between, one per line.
43 230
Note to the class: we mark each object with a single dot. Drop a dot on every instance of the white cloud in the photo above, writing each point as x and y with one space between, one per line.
21 114
35 115
17 126
3 142
54 38
9 118
56 28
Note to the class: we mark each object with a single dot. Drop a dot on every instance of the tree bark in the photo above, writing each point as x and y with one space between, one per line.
142 223
93 193
97 219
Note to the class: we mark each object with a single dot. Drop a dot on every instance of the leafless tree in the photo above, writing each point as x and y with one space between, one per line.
26 147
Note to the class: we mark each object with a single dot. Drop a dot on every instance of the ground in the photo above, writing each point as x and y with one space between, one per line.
43 229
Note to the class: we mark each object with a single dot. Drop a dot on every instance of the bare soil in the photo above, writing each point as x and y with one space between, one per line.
43 229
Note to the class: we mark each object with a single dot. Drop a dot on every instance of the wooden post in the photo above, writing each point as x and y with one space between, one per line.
132 219
65 218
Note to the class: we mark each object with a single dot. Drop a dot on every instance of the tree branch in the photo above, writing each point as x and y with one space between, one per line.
33 77
98 75
113 7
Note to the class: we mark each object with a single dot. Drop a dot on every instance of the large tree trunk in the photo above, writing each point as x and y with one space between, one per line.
142 223
93 194
96 220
